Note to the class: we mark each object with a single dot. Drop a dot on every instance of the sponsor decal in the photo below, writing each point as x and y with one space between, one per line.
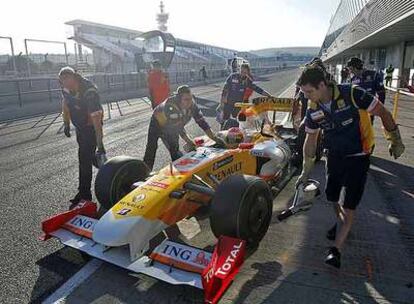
81 225
158 184
130 205
138 198
224 269
346 108
225 263
257 153
317 116
149 189
187 161
228 171
124 211
223 162
347 122
181 256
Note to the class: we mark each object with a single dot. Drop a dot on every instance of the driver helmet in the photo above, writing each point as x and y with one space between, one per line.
234 136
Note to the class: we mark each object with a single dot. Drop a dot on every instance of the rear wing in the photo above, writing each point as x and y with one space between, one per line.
264 104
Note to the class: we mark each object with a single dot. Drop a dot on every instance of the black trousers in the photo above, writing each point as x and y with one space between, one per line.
348 172
87 146
169 138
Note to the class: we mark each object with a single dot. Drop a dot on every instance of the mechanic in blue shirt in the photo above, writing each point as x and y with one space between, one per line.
168 121
342 112
81 106
370 80
234 89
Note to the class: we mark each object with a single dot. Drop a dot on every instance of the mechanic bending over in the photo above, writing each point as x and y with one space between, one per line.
341 111
81 105
234 91
168 121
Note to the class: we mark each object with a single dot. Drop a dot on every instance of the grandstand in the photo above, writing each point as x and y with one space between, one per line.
114 49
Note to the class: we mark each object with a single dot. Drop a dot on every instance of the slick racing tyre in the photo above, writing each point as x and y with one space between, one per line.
114 180
242 208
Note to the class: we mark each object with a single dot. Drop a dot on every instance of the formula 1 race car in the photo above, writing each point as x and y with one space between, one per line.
232 183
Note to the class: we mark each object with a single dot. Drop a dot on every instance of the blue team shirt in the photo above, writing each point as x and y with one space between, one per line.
235 87
345 120
372 82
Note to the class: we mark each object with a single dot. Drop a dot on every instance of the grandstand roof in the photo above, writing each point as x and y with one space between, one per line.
105 26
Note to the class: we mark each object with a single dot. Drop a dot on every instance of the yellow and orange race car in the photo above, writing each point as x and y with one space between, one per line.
233 183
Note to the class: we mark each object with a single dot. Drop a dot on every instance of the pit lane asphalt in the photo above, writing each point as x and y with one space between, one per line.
38 166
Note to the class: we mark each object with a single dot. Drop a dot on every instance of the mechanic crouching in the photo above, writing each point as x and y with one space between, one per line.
168 121
81 105
342 112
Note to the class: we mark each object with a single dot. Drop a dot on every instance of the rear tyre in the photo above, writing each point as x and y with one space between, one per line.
115 179
242 208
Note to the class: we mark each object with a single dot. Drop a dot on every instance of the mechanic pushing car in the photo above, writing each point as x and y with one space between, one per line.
168 121
81 105
341 111
234 90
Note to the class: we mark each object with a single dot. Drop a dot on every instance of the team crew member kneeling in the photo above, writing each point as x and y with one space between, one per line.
81 105
342 111
168 121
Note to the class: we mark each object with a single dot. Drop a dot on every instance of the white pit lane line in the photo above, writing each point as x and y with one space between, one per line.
70 285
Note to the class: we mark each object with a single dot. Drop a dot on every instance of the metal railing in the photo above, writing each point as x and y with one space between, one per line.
398 92
30 90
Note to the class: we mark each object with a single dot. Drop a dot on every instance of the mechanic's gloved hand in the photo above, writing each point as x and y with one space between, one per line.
220 142
189 146
308 163
66 130
396 146
68 97
220 117
100 158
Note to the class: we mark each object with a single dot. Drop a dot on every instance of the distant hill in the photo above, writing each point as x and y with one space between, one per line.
295 51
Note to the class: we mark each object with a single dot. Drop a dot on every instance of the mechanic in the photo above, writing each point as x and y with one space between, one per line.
369 80
158 84
344 75
203 73
81 105
168 121
341 111
301 102
234 90
388 78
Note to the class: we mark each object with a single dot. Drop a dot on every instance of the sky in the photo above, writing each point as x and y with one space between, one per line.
242 25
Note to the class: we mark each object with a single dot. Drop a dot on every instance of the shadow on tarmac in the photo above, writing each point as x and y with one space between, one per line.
374 264
56 268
